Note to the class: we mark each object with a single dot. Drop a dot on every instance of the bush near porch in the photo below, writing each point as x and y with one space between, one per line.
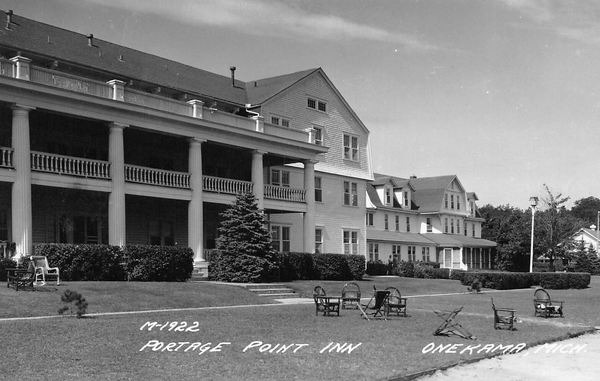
503 280
108 263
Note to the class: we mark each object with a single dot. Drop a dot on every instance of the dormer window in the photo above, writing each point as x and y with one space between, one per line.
388 196
406 199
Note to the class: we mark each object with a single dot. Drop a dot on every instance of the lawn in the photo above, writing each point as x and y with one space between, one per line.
109 347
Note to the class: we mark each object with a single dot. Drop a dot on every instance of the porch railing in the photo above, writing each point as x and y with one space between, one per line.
6 157
69 165
226 186
153 176
285 193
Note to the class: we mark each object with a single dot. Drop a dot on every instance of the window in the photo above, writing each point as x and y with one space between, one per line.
388 196
397 223
280 238
369 219
425 254
412 253
452 226
312 103
318 189
466 226
458 202
159 232
396 249
405 198
429 227
322 106
318 241
350 147
280 121
318 136
451 201
473 229
457 226
445 225
280 178
408 224
386 224
350 193
446 201
373 252
350 242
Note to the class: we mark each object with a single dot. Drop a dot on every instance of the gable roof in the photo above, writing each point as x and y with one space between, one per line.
593 234
261 90
72 48
397 182
435 182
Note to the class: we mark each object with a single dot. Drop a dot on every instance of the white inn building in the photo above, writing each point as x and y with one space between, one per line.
104 144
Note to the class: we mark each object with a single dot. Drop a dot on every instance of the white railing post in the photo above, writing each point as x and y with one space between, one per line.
22 67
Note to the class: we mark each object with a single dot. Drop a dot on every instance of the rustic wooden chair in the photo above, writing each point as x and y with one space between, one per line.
544 306
350 295
377 305
396 303
43 270
504 317
451 326
324 304
20 278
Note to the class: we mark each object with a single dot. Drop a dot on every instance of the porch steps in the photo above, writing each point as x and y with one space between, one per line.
271 290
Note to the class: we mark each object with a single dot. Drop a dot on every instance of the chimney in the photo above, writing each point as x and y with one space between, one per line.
9 15
232 68
90 38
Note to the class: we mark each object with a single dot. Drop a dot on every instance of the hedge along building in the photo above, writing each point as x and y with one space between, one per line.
429 219
100 143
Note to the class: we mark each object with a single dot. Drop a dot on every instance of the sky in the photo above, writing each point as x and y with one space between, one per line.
505 94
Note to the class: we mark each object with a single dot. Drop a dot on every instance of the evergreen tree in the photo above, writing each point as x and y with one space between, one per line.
243 229
244 246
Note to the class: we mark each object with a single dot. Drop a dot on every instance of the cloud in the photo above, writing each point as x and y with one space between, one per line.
268 19
577 20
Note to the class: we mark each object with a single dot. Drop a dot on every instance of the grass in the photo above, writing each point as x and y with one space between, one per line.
108 347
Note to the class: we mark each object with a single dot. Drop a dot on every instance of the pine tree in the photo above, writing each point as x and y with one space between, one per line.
243 229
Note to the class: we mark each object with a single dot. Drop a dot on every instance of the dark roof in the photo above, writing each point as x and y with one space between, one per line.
428 200
261 90
36 39
383 235
457 240
436 182
397 182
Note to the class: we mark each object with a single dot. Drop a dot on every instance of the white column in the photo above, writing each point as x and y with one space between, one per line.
116 199
195 211
309 216
258 179
21 189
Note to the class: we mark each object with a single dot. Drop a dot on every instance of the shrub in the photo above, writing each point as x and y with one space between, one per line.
241 268
84 262
377 268
294 266
72 299
564 280
438 273
406 269
356 263
159 263
331 267
502 280
306 266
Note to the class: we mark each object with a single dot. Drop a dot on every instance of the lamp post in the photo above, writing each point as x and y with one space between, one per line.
533 201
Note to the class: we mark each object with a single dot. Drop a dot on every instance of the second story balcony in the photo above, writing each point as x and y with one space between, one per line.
64 165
